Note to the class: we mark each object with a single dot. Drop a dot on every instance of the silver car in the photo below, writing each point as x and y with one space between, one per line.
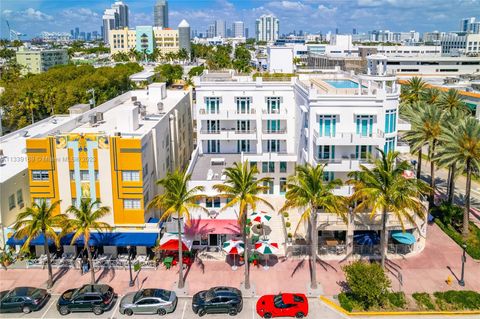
149 301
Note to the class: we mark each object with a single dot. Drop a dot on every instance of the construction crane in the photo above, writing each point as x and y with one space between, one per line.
14 35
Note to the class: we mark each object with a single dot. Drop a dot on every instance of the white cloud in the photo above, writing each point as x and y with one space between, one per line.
26 15
81 14
287 5
326 10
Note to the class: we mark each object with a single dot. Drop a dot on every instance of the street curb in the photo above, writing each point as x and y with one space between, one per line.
332 304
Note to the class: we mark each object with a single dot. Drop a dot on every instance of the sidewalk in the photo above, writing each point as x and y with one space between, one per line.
425 272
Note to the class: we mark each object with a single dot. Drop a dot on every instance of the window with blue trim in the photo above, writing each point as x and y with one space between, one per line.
283 185
326 152
327 125
363 151
390 121
212 105
389 145
364 125
328 176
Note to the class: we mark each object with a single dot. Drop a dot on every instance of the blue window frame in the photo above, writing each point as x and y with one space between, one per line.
327 125
390 121
389 145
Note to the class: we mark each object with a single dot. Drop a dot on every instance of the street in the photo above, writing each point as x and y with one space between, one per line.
184 311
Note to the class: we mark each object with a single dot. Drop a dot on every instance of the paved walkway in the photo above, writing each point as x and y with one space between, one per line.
426 272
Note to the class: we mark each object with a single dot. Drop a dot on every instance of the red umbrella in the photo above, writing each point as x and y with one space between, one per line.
169 241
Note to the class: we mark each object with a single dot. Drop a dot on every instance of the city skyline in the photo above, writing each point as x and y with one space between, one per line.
427 15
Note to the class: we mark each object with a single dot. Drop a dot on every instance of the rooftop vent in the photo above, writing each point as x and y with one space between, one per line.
160 107
134 99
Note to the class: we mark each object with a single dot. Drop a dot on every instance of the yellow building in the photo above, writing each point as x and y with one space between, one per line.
144 38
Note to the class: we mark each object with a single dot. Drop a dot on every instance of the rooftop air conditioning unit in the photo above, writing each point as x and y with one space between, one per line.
117 134
137 103
160 106
134 98
99 116
92 119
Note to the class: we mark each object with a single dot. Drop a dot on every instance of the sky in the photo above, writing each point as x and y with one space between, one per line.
34 16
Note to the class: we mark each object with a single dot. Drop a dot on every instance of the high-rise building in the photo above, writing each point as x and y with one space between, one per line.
211 31
110 22
72 33
470 25
246 33
336 30
160 14
220 28
238 28
122 10
267 28
77 33
354 31
184 36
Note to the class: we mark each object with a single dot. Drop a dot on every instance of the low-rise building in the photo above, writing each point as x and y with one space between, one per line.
38 61
433 66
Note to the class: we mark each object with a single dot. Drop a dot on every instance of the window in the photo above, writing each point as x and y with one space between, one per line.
243 104
273 126
243 146
243 126
326 152
130 176
362 152
364 125
283 185
273 146
253 164
268 167
213 146
19 197
131 203
389 145
84 175
269 185
212 105
213 126
327 125
328 176
208 202
216 202
390 121
39 200
283 167
273 105
40 175
11 202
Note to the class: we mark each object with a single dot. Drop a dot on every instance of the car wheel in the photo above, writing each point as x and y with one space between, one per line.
299 315
267 315
162 312
64 310
202 312
128 312
26 309
98 311
232 312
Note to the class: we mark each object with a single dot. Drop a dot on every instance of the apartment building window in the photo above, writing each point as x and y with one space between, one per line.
273 105
243 104
268 167
213 146
243 146
283 167
325 152
273 126
212 105
389 145
269 185
208 202
213 126
243 126
327 125
40 175
390 121
131 204
130 176
253 164
19 197
84 175
11 202
273 146
362 152
216 202
283 185
364 125
328 176
40 200
74 201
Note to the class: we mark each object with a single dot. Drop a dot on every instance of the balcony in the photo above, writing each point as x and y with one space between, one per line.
342 164
273 134
243 134
275 114
337 139
203 114
244 114
376 138
226 133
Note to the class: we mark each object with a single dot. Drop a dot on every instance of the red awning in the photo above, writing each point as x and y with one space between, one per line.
213 226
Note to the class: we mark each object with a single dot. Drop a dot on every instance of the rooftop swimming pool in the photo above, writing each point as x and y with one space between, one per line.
342 84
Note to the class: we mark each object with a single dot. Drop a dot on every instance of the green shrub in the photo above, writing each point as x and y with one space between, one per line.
458 300
423 301
285 215
288 224
289 235
397 299
368 284
449 214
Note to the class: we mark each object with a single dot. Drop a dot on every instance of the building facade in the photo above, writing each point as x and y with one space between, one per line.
220 28
160 14
38 61
184 36
455 45
146 39
238 29
267 28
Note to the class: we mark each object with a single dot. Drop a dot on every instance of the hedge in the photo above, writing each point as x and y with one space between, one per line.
459 300
423 301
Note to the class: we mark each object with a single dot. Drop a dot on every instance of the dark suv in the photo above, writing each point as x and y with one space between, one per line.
23 299
218 300
88 298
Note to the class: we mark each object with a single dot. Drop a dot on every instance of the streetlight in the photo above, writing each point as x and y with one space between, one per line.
461 282
129 248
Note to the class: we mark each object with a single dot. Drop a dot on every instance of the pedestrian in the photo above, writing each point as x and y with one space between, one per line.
85 265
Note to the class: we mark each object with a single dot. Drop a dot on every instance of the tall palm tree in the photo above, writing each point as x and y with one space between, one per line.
242 187
427 124
414 89
383 189
307 190
31 102
40 219
452 100
431 95
177 200
86 219
462 146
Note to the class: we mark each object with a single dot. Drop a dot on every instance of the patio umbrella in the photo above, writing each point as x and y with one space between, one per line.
368 238
261 218
404 238
234 247
169 241
265 248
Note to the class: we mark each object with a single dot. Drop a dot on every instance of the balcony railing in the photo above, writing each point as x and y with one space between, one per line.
279 111
248 111
279 131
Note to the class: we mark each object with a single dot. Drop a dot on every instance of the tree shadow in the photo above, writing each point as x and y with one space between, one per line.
300 265
453 273
325 265
59 274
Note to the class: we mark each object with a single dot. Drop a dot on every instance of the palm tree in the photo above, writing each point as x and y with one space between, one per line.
308 191
452 100
86 219
384 189
40 219
431 95
414 89
462 147
31 102
427 122
177 200
182 54
242 187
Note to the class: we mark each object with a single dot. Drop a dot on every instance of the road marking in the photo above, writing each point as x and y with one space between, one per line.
116 307
51 304
184 308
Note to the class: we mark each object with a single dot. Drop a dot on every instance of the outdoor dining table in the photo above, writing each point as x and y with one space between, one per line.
167 262
331 242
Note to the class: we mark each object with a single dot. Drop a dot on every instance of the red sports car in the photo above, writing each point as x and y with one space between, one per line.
283 305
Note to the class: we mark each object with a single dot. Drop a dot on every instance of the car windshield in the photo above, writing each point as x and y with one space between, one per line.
278 301
138 295
163 294
209 295
3 294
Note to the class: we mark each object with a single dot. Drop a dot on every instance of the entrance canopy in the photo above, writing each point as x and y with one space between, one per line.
213 226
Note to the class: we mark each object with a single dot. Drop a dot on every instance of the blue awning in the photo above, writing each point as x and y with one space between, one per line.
369 238
100 239
404 238
153 220
36 241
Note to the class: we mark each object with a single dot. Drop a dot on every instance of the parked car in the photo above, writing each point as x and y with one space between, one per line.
88 298
218 300
23 299
149 301
283 305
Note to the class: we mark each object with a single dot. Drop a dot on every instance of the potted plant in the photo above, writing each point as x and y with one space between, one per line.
6 258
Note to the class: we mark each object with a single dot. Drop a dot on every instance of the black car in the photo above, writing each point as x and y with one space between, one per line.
23 299
218 300
88 298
